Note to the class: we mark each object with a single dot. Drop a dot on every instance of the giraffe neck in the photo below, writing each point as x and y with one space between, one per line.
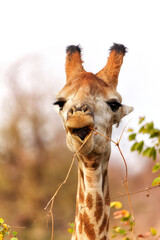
92 203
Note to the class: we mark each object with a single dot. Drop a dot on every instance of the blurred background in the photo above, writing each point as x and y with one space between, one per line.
34 158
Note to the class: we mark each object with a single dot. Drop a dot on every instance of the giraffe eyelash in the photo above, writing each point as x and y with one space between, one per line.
114 105
60 103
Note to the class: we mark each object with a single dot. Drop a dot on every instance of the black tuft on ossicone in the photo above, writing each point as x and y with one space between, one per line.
119 48
72 48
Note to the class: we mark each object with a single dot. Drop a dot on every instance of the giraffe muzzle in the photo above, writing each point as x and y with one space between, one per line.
81 132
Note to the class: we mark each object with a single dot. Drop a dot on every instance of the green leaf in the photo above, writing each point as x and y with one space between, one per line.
116 204
154 154
134 147
147 152
70 230
153 231
14 233
155 133
141 119
125 219
119 230
132 137
114 235
142 129
150 152
156 167
156 181
137 146
1 221
130 130
71 225
147 128
140 146
14 238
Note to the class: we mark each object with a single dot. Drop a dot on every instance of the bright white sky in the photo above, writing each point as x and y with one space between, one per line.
46 27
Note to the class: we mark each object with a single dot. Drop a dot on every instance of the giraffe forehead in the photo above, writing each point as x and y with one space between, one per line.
86 85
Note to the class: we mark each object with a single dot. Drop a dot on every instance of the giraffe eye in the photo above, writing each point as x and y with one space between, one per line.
114 105
60 103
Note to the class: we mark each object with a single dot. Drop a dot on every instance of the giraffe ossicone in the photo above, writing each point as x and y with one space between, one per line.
87 101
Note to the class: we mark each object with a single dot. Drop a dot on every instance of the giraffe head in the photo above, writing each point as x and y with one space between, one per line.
90 100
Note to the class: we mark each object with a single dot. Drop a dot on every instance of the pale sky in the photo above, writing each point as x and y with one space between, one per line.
46 27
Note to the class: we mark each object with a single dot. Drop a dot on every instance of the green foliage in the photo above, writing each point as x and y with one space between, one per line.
156 167
1 221
150 152
5 229
137 146
116 205
125 222
132 136
152 132
156 181
125 226
71 229
149 146
141 119
118 230
153 231
145 141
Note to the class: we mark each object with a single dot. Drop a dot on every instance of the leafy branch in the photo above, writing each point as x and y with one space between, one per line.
5 229
148 145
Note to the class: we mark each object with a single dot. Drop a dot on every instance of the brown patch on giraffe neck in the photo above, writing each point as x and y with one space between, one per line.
99 207
103 224
80 226
92 161
89 227
104 179
82 176
89 201
93 165
89 179
107 197
104 238
81 195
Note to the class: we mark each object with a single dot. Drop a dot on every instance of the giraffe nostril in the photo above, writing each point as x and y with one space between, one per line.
71 111
85 109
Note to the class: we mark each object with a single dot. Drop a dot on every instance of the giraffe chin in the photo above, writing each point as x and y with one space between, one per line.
77 137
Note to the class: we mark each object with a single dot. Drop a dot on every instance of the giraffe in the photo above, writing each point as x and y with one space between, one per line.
91 101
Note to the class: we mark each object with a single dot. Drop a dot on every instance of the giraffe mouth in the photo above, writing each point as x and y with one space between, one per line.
81 132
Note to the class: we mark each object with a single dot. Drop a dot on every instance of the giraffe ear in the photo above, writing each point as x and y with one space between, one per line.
73 62
110 72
